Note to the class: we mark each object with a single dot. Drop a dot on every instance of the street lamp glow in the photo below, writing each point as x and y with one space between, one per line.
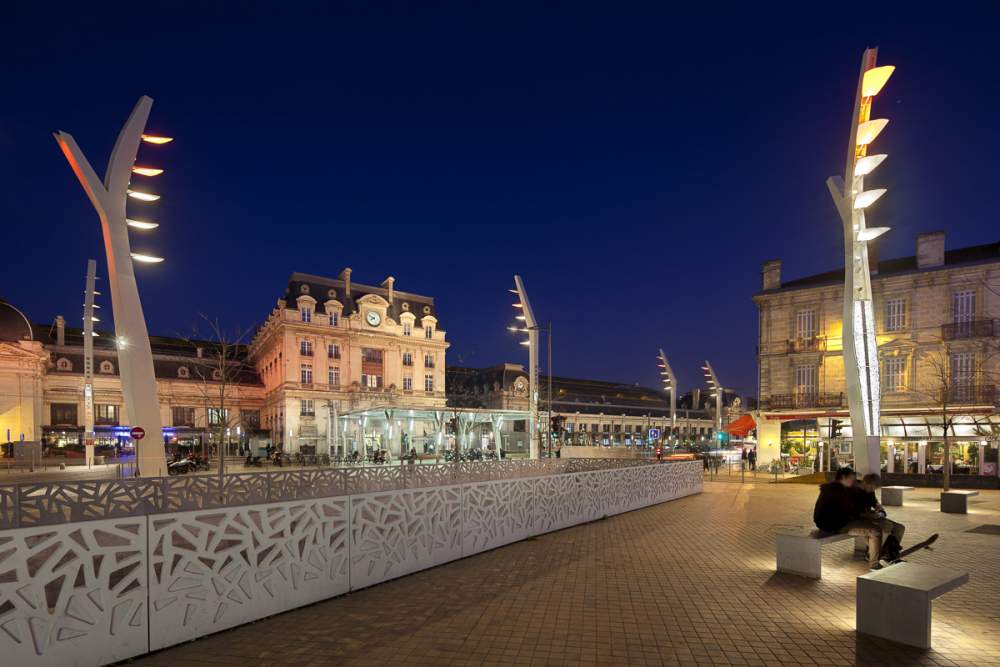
153 139
141 224
868 130
874 79
867 198
867 164
142 196
870 233
147 171
146 259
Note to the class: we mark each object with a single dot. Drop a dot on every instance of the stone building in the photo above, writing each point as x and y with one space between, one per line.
588 412
937 336
42 393
332 347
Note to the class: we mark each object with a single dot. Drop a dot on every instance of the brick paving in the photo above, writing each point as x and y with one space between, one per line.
690 582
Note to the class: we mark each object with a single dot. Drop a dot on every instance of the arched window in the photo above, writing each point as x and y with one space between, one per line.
183 372
106 367
64 364
216 374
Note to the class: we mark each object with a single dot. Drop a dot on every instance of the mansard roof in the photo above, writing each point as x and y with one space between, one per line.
324 289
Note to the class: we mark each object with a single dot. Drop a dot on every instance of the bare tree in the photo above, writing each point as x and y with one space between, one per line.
222 361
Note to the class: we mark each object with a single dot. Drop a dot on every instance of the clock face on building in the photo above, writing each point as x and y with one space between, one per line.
373 318
519 387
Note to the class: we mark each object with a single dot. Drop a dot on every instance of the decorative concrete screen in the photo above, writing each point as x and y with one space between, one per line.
77 588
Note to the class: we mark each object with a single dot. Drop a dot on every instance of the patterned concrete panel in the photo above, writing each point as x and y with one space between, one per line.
73 594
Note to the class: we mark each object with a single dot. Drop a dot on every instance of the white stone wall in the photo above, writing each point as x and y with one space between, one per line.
95 592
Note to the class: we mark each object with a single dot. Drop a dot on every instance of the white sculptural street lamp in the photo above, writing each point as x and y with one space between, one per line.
715 390
109 196
860 354
670 386
529 325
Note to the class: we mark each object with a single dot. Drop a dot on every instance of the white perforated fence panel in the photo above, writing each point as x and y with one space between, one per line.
95 592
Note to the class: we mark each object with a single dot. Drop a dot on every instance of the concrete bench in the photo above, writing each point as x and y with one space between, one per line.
801 552
893 495
956 502
895 602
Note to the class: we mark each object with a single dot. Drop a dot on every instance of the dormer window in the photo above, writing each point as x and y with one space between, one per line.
407 329
306 314
64 364
217 374
428 332
334 319
183 372
106 367
307 307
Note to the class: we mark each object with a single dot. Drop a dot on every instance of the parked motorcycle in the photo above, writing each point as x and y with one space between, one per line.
181 466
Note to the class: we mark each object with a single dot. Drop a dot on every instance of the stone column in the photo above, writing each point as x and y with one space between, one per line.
922 458
890 455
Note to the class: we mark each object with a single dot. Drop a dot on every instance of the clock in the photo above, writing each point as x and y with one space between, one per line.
373 318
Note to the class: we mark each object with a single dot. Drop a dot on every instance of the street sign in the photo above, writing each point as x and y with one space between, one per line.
654 434
138 433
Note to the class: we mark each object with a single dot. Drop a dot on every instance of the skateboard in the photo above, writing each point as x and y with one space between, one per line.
926 544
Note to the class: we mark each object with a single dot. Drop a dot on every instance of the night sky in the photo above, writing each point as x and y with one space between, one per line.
634 164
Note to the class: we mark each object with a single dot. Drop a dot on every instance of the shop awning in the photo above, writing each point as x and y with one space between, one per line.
741 427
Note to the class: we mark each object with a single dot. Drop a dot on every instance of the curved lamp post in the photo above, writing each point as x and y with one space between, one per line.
135 359
860 349
526 317
670 386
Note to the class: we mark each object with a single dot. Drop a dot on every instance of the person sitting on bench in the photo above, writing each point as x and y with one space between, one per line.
835 512
868 510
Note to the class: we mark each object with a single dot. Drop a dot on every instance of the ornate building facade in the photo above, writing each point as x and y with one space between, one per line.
937 335
332 347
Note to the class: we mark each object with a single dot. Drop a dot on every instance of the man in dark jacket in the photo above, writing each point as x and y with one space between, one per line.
868 510
835 505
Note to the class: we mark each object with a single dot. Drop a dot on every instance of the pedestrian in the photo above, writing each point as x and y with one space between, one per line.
752 459
744 457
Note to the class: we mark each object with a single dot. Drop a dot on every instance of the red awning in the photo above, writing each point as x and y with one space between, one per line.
741 427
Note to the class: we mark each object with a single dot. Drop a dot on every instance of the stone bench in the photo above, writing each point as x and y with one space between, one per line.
895 602
956 502
801 553
893 495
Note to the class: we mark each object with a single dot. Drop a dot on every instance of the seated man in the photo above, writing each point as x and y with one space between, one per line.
868 512
835 512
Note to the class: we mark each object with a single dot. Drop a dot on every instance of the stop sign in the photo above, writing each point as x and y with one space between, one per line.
138 433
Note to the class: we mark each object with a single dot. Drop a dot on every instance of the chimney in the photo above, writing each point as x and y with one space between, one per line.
873 257
345 275
201 352
930 250
60 330
388 284
772 274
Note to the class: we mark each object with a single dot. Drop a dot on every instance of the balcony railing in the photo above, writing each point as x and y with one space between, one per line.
804 400
813 344
974 329
971 394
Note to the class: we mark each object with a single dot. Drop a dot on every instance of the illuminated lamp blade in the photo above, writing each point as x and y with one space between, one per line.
141 224
874 79
868 130
146 259
867 198
867 164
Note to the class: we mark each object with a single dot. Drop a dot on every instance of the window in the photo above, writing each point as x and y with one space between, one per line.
107 367
805 324
306 314
407 358
250 418
428 383
407 329
428 332
306 374
963 369
218 417
183 372
520 426
333 376
306 348
894 374
64 414
183 416
805 379
895 315
334 318
428 361
371 368
963 306
370 381
333 351
306 408
407 383
106 414
64 364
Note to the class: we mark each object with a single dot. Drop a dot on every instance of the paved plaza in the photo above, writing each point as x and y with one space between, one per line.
683 583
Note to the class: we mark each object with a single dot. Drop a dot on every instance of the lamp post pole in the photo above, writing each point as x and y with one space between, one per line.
860 346
530 326
135 358
88 362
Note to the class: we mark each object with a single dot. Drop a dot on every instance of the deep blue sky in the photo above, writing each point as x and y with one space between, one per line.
635 164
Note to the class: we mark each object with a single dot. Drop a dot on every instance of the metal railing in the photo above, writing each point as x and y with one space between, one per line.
974 329
804 400
970 394
813 344
47 503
